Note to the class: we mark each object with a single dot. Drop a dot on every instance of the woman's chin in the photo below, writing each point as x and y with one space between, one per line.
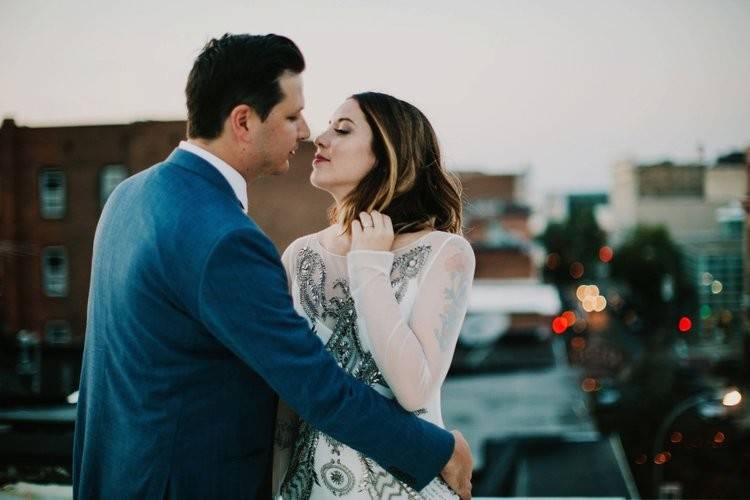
338 192
315 180
319 183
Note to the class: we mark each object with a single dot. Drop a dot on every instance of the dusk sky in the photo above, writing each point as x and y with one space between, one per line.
564 87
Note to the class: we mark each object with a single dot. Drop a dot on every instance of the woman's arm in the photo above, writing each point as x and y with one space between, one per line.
413 356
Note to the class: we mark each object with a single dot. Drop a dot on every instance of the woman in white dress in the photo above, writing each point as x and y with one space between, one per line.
385 287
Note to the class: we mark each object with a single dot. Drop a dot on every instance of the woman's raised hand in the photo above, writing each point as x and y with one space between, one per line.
373 231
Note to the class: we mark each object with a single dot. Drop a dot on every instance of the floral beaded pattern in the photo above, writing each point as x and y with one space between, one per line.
407 267
339 314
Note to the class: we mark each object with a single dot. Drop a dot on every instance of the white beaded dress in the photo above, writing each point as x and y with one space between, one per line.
390 319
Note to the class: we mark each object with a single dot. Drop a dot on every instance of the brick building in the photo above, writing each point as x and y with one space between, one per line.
497 224
54 181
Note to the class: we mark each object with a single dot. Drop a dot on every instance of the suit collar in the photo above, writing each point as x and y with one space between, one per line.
196 164
233 177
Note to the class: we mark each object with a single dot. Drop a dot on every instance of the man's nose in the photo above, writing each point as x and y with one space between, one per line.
304 132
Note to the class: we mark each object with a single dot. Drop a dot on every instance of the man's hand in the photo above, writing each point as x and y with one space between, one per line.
457 472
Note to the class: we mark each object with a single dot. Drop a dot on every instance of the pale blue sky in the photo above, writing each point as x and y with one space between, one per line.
566 87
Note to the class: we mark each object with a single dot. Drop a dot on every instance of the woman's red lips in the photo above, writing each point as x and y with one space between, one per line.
319 158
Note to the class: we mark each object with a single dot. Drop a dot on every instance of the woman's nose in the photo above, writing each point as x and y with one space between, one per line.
321 140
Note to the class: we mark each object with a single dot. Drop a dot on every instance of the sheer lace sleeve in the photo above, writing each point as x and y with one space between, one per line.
413 354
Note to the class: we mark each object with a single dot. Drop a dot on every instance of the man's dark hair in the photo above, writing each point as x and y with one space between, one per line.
234 70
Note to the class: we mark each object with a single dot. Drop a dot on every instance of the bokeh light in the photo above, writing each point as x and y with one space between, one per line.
725 316
578 343
589 384
576 270
732 398
599 303
580 326
553 261
716 287
559 325
570 317
676 437
589 303
606 254
684 325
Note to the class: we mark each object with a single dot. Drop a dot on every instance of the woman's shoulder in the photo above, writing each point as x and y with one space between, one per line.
452 251
295 246
443 239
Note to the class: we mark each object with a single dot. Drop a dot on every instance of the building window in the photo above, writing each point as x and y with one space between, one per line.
110 177
52 193
57 332
55 271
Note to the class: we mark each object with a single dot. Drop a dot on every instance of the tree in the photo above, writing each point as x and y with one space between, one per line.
649 263
578 239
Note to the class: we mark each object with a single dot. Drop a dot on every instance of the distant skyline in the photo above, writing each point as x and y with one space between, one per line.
563 88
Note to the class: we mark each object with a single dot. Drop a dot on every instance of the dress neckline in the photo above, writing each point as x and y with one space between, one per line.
316 237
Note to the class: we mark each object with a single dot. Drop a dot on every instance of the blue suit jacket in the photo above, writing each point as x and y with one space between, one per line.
191 334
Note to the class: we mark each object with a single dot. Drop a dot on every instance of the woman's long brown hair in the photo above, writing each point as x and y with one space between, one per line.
408 181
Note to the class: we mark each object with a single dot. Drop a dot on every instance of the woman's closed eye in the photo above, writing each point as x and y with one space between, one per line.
341 131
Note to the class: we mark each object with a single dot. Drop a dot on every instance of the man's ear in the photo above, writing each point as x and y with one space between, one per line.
243 122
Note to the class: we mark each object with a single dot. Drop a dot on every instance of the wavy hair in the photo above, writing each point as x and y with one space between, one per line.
408 181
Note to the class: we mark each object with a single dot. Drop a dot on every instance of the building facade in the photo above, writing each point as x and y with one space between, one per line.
496 218
683 198
53 185
54 182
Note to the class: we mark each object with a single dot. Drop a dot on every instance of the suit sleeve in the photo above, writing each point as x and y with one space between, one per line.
244 302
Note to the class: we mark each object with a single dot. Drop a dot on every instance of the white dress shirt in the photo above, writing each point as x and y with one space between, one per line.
234 178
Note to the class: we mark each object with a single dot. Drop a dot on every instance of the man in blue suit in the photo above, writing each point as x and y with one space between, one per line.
191 333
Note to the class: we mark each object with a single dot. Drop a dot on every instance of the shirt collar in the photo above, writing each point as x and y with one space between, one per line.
234 178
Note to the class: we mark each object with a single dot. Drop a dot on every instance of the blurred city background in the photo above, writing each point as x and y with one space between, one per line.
604 152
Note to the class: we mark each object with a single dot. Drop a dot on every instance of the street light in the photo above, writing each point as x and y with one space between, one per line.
728 398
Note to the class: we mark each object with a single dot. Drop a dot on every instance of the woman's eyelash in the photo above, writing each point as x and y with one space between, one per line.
341 131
